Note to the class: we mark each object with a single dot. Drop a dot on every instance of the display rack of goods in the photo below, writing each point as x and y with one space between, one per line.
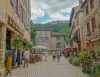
39 57
32 58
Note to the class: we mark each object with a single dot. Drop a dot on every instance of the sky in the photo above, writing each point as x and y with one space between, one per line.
44 11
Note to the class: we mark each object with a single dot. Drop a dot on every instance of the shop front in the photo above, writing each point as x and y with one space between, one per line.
13 33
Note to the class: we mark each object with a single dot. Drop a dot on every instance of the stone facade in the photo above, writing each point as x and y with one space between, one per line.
43 38
88 25
57 41
14 21
49 39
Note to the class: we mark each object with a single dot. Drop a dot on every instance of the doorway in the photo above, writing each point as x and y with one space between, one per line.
8 39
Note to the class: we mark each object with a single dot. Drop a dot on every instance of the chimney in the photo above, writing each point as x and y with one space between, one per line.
80 2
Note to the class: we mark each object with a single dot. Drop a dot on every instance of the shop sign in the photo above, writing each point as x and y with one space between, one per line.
14 25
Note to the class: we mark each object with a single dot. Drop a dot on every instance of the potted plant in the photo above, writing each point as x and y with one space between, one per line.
97 74
17 41
86 61
75 61
93 54
98 54
27 46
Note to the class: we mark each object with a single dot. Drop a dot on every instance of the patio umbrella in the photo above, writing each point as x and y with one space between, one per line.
40 48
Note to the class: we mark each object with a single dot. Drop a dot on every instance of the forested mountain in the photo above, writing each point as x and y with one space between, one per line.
57 26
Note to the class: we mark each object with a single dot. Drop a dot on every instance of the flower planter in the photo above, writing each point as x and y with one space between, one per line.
97 74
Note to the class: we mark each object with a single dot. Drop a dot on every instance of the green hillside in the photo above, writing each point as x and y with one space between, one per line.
57 26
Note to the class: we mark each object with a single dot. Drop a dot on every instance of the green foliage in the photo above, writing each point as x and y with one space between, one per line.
33 34
76 61
70 59
27 46
17 41
84 55
98 54
93 54
97 73
86 61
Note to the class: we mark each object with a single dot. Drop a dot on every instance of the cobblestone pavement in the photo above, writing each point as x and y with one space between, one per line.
49 69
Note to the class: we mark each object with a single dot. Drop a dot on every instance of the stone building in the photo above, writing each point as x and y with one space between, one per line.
52 40
74 22
14 21
91 11
57 41
88 25
43 38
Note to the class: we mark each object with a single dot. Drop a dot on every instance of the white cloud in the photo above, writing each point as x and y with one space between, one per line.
36 13
68 10
35 10
53 8
58 17
44 6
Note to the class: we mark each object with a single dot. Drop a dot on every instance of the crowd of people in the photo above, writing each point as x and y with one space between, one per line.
13 60
56 55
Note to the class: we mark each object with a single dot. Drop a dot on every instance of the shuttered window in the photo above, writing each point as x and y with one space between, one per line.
87 10
92 3
88 28
93 24
15 4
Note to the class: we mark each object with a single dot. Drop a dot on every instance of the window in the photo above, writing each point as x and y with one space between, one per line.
88 28
58 45
43 39
18 8
15 4
77 36
20 11
92 4
87 10
24 17
58 38
93 24
45 33
46 39
82 31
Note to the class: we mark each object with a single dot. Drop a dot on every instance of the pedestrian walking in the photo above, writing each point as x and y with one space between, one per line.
46 55
26 58
8 62
53 56
58 56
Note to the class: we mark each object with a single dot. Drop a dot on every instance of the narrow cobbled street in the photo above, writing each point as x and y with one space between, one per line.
49 68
